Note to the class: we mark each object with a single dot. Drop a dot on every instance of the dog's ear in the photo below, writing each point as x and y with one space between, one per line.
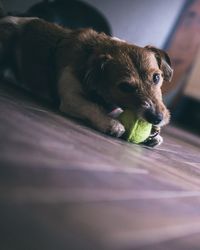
95 73
164 62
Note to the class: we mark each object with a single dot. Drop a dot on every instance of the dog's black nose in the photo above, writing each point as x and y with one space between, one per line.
158 118
153 117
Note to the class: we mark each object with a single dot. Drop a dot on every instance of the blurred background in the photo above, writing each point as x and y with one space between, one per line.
171 25
137 21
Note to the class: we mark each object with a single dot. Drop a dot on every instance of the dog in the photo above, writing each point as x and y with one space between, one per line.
85 72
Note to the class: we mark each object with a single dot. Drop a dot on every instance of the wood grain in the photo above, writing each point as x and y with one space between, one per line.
66 186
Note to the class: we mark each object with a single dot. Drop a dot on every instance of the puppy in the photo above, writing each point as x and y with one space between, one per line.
84 72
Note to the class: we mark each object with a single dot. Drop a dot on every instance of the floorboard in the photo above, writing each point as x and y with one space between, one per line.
66 186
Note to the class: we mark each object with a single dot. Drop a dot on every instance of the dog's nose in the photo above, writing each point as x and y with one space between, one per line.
158 118
153 117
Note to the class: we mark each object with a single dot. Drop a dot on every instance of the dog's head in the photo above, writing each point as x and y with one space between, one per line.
131 77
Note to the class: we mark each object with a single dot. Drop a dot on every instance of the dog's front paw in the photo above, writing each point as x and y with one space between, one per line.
153 141
116 128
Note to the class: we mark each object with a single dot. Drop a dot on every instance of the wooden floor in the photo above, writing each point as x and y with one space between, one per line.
64 186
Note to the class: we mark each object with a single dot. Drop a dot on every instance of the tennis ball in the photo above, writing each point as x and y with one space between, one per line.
137 130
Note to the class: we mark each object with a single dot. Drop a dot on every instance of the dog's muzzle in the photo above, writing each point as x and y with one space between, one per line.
153 117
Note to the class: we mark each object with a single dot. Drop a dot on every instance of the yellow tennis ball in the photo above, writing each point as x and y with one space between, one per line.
137 130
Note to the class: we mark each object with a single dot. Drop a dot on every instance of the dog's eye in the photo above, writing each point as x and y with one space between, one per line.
126 87
156 78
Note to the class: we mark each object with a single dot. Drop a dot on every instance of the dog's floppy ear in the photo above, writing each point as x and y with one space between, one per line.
164 62
95 70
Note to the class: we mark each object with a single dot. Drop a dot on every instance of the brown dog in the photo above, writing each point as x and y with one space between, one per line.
86 71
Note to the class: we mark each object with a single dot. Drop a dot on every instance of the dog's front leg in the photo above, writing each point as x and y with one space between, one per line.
74 103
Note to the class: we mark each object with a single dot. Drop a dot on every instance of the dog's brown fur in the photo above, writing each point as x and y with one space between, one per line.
72 66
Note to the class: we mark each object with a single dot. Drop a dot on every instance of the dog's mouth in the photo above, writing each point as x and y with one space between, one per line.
145 112
156 115
156 118
153 117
